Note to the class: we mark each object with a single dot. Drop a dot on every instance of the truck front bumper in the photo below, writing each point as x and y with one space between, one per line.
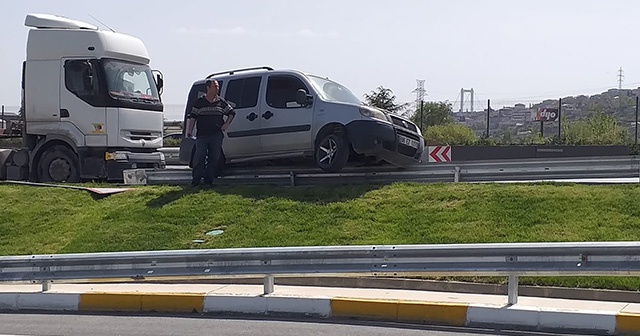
119 161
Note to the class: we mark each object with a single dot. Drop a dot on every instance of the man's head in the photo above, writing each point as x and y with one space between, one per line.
212 87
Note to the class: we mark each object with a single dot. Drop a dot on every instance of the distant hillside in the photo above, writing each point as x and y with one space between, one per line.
518 120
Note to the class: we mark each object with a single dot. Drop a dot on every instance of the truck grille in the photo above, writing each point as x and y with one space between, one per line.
133 135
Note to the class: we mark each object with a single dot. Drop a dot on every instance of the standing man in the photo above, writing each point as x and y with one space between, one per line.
208 113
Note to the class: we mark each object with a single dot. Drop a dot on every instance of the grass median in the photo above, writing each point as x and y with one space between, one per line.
36 220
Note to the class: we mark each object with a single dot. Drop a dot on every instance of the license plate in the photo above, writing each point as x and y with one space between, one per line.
407 141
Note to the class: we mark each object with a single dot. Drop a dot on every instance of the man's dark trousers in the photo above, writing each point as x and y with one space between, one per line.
205 159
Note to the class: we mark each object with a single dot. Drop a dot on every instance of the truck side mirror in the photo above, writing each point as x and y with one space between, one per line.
303 98
159 81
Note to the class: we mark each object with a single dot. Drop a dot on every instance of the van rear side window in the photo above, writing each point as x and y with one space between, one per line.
243 93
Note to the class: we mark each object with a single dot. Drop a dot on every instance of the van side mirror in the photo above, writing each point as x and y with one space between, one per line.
303 98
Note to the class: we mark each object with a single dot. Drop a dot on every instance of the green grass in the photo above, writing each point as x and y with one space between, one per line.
48 220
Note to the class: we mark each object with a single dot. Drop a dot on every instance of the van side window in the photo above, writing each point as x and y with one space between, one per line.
282 90
197 91
80 78
243 93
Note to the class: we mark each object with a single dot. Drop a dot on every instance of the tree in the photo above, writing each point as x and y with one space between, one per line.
384 99
433 113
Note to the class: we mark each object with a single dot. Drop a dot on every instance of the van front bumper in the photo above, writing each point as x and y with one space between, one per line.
385 141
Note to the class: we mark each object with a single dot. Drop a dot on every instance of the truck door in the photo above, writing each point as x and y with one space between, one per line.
82 111
285 125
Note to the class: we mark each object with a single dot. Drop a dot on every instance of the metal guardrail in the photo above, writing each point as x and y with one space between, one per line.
512 260
476 171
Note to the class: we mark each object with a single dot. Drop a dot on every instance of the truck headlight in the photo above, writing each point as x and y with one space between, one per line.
115 156
372 113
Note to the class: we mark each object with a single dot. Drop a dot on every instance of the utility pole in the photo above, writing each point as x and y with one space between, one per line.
488 111
420 92
560 120
636 139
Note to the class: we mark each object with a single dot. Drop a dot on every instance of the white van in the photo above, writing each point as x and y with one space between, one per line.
288 114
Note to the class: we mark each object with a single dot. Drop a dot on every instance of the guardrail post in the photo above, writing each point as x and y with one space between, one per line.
456 174
513 289
46 285
292 179
268 284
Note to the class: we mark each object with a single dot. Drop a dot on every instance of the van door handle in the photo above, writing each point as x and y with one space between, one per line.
252 116
267 115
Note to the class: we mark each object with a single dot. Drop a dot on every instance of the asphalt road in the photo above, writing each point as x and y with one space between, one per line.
147 325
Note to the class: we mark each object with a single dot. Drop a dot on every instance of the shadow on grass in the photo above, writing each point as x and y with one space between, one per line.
172 196
305 194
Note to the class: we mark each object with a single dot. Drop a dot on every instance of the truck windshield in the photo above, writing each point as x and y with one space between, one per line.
130 81
332 91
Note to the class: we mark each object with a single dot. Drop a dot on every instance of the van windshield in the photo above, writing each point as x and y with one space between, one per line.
332 91
130 81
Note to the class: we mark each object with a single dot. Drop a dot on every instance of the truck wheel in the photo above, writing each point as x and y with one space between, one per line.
58 164
332 153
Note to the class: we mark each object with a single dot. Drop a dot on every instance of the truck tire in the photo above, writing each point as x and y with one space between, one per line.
332 152
58 164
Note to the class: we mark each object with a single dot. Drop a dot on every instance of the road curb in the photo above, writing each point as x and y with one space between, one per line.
433 286
434 313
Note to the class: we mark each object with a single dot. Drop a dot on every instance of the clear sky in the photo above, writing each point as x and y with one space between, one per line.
507 51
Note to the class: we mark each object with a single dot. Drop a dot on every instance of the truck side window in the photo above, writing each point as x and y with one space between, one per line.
80 79
282 90
243 93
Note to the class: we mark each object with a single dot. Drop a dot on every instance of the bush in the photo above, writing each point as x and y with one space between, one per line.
450 134
599 129
171 142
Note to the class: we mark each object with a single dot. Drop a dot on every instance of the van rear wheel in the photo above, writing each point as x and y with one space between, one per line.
332 153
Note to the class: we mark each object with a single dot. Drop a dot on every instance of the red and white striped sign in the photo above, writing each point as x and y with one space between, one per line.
439 154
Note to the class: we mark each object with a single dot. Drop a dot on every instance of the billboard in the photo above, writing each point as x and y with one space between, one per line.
547 114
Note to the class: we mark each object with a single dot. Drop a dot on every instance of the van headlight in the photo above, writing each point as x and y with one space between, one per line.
372 113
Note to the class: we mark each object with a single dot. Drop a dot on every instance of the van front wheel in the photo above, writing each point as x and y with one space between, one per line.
332 153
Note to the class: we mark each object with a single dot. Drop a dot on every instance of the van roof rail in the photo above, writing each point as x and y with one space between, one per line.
231 72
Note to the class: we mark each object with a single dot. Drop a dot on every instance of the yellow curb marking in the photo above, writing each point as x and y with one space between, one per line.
627 323
164 302
438 312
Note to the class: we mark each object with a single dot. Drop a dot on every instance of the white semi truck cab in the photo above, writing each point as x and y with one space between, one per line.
91 105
